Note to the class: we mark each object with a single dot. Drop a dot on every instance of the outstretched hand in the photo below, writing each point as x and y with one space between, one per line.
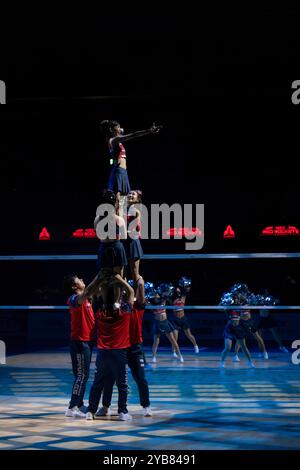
155 129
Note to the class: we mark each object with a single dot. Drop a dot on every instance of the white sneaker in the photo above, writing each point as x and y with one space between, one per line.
147 411
283 349
196 349
181 359
153 359
74 413
236 358
104 411
89 416
175 354
125 416
266 356
222 364
251 364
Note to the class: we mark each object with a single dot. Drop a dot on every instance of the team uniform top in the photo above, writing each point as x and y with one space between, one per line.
113 331
117 152
82 319
136 322
179 304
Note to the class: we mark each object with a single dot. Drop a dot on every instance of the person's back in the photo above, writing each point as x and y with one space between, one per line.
113 340
113 328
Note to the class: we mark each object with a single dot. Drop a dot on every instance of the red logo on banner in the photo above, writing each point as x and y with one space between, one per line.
184 231
229 232
84 233
280 230
44 235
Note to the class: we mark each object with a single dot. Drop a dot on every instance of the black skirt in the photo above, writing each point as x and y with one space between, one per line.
133 249
111 254
118 180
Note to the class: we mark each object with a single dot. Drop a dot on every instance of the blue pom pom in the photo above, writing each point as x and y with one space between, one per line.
166 290
185 282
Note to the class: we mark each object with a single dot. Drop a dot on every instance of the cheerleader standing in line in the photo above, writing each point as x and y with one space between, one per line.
162 326
251 330
234 330
179 319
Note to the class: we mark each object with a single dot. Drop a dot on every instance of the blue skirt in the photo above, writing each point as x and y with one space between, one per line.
162 326
118 180
180 323
133 249
111 254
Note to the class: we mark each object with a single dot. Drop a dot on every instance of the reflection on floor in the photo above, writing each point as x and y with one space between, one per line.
196 405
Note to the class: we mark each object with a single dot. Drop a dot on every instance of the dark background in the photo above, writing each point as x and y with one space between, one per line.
220 84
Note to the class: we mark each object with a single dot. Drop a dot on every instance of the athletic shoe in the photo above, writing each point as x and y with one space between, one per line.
74 413
283 349
89 416
153 359
83 409
266 356
175 354
251 364
125 416
196 349
236 358
181 359
104 411
147 411
222 364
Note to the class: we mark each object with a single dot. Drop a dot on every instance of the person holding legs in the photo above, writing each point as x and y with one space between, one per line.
113 340
135 357
82 335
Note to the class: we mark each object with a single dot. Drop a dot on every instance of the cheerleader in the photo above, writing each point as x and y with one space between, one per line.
251 330
162 326
234 330
179 320
132 244
114 135
111 253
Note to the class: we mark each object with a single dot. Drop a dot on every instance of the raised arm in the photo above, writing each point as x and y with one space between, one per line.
93 288
117 279
122 138
140 292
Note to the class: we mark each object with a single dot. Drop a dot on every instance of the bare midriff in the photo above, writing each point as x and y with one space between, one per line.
160 316
122 163
178 313
245 315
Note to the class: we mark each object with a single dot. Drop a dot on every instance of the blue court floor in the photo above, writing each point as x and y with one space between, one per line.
196 405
